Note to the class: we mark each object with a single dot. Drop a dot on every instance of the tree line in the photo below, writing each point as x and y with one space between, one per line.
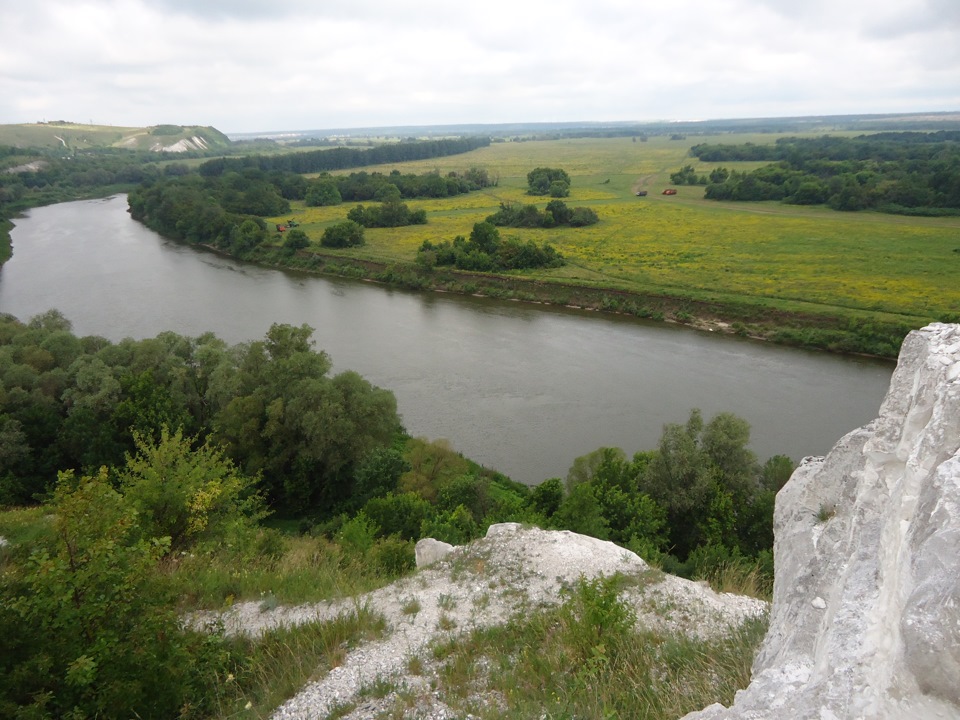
362 186
342 158
907 173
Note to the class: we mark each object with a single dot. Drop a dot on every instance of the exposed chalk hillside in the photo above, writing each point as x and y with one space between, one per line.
513 569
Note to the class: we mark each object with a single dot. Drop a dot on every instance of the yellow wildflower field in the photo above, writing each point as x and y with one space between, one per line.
756 252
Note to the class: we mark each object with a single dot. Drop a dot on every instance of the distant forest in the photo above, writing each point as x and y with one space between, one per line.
342 157
910 173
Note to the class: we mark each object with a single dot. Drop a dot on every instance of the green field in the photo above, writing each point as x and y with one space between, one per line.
790 258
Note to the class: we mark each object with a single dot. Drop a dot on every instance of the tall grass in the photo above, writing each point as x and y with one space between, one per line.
277 665
301 569
587 659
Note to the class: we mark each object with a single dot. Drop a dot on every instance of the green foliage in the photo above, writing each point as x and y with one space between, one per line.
391 213
400 514
321 193
485 251
702 487
358 535
344 234
776 471
269 404
456 526
296 239
555 214
688 176
547 496
888 172
188 496
98 637
340 158
595 619
586 659
581 512
545 180
378 473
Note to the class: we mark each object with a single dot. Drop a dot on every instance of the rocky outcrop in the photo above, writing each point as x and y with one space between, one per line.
865 621
428 551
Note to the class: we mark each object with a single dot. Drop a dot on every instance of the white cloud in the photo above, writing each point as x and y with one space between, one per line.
288 64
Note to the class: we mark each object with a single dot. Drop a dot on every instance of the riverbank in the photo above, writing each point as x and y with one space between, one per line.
6 247
846 334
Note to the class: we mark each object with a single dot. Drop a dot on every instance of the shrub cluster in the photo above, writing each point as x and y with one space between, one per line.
548 181
485 251
387 214
556 213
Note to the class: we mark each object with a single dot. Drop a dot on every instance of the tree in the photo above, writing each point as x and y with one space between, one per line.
388 192
296 240
485 236
547 496
581 512
540 181
560 212
582 216
344 234
378 473
322 193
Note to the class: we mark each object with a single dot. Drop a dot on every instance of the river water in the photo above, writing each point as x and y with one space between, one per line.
518 387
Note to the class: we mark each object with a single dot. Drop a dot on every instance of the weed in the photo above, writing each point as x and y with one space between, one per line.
446 602
380 688
268 602
415 665
411 606
586 659
281 661
826 511
481 602
446 622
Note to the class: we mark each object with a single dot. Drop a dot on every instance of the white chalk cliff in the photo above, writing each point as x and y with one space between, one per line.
865 622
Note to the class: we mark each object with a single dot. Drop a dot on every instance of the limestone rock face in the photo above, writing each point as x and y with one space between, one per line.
865 621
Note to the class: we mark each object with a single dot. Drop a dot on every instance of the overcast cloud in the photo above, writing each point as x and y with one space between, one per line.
248 65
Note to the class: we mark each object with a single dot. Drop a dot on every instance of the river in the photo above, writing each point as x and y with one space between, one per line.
518 387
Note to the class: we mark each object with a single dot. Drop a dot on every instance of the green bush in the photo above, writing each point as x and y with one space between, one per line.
393 556
98 635
189 496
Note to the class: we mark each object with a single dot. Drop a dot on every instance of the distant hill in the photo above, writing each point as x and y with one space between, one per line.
75 136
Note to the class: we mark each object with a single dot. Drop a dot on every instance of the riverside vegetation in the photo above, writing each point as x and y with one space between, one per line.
144 479
792 273
797 274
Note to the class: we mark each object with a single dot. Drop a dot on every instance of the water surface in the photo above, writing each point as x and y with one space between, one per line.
519 387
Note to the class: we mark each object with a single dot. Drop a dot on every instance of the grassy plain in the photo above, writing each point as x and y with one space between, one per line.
790 258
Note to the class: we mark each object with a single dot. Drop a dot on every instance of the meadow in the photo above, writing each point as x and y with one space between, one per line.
787 258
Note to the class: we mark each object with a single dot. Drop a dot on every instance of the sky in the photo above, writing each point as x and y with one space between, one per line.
252 66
